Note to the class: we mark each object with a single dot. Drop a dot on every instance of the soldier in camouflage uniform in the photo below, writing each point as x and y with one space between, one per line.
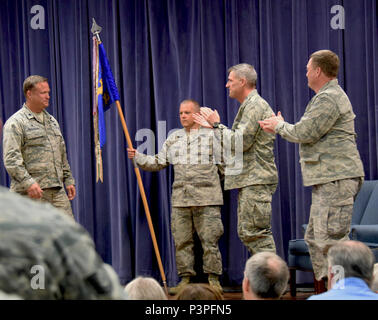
196 194
329 157
46 255
34 151
254 172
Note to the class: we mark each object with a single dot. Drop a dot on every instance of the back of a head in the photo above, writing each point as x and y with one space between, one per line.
198 291
44 254
145 288
267 274
354 257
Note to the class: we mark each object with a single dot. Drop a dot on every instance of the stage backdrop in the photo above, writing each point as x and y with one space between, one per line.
164 51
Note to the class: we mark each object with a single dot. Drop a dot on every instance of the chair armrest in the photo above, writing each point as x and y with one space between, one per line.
365 233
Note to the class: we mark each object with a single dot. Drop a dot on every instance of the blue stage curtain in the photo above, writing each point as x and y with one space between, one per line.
164 51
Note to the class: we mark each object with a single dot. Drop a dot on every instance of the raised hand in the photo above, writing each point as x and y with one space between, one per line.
269 124
210 116
200 119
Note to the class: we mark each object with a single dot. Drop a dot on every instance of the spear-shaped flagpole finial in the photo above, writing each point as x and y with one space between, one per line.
96 29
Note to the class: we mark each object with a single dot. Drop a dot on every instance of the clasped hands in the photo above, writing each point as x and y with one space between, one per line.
207 117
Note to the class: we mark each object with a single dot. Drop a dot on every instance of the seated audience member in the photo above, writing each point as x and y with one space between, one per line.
199 291
350 272
374 285
265 277
145 288
47 255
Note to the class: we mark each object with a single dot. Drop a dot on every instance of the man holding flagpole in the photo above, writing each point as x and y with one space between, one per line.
196 194
105 93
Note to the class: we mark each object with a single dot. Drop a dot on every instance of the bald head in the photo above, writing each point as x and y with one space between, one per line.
267 275
187 108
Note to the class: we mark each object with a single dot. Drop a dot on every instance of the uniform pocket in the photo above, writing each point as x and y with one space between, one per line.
34 138
262 215
339 220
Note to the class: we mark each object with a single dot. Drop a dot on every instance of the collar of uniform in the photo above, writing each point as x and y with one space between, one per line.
192 135
29 114
330 83
200 132
250 96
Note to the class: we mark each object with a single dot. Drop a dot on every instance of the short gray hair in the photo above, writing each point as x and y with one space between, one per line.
356 259
31 81
267 274
145 288
246 71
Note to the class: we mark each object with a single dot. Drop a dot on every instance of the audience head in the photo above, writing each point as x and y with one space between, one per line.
350 259
198 291
145 288
265 277
44 254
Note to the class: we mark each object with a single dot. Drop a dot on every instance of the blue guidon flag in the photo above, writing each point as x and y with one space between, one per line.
105 93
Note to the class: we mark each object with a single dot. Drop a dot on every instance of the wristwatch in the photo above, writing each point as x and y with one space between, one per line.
216 125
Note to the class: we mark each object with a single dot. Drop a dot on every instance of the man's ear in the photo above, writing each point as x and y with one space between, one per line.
330 277
318 71
245 285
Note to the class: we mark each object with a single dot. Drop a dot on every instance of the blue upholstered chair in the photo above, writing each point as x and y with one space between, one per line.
364 228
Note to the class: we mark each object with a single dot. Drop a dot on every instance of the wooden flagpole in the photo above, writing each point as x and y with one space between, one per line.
144 199
96 31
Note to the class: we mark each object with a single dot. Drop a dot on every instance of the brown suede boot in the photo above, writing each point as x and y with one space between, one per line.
214 282
184 281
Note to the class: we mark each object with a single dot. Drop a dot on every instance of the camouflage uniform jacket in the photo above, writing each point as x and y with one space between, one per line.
35 152
327 138
257 165
44 254
196 181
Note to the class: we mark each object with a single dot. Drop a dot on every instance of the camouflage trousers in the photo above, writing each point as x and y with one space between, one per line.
254 217
58 198
330 219
206 221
